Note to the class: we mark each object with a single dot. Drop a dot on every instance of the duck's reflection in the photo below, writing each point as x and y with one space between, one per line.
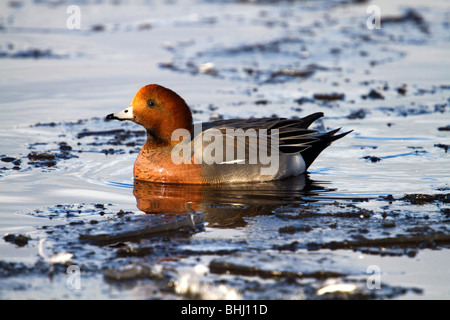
226 205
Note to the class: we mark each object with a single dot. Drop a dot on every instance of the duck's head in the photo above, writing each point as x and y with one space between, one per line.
159 110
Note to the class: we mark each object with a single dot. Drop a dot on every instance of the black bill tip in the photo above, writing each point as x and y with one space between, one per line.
111 117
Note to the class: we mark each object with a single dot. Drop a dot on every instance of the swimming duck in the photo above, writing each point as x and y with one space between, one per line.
222 151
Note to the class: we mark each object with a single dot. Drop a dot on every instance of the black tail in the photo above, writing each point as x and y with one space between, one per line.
323 141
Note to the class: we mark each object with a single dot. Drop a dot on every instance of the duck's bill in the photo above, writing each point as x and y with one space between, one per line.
126 114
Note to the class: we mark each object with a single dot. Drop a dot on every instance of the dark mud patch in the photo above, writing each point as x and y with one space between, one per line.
142 227
13 163
42 159
442 146
372 158
20 240
30 53
358 114
329 96
398 246
414 109
39 159
77 211
427 198
373 94
221 267
410 16
446 128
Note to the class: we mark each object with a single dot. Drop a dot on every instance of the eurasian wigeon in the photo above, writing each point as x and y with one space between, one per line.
223 151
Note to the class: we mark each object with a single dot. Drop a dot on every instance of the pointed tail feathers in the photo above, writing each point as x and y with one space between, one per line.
323 141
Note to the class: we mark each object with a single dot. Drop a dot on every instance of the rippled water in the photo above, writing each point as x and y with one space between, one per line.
348 213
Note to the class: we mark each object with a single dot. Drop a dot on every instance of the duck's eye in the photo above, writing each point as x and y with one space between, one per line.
151 103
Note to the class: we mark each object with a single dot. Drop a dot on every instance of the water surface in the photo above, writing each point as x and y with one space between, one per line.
378 197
